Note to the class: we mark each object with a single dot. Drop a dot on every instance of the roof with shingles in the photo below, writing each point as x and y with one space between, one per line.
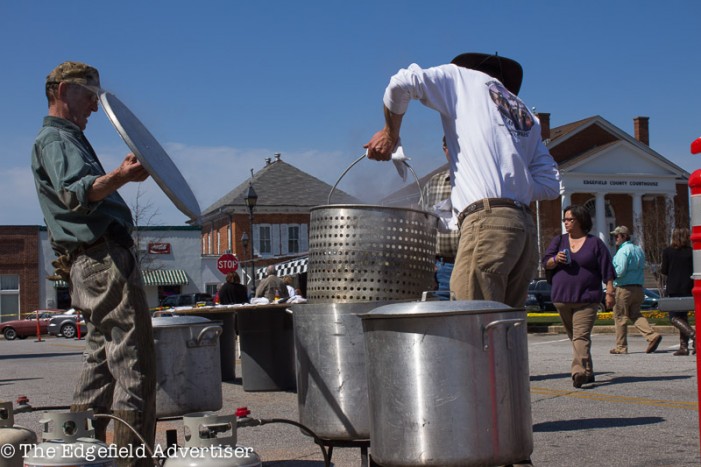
281 184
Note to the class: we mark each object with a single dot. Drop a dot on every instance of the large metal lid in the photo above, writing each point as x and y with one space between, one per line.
179 321
437 308
151 155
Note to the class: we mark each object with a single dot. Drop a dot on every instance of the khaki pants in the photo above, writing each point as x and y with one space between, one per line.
629 298
578 320
497 256
120 368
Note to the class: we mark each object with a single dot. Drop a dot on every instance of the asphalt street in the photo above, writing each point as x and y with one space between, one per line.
641 411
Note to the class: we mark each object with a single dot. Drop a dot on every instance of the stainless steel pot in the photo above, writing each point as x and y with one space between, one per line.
188 370
448 384
332 389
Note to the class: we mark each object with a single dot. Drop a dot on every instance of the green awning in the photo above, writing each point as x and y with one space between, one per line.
165 277
153 278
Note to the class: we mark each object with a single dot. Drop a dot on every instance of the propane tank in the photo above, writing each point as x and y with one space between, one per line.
210 440
67 440
14 439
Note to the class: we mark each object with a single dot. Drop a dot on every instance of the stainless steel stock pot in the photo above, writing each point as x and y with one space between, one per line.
448 384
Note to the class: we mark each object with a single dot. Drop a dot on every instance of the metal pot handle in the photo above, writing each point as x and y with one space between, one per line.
426 293
418 184
500 322
197 342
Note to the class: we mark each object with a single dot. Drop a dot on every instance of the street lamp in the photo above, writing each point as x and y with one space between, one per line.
251 199
244 243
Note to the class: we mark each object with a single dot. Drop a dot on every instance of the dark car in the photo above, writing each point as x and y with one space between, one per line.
188 299
651 301
65 324
23 328
539 296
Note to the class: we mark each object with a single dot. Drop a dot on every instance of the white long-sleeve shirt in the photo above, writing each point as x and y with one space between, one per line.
494 141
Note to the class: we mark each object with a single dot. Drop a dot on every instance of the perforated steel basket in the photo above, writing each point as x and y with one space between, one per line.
360 253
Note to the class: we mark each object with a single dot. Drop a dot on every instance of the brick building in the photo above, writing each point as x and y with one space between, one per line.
280 218
19 274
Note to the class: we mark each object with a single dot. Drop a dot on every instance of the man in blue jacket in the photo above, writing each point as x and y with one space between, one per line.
629 263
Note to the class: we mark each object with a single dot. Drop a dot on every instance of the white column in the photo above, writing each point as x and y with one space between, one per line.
600 221
565 200
638 218
669 208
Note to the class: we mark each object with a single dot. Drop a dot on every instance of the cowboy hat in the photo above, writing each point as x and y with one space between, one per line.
508 71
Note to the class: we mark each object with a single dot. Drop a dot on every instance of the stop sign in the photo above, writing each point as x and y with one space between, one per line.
227 263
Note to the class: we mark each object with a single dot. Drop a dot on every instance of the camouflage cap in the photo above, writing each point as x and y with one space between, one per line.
621 229
74 72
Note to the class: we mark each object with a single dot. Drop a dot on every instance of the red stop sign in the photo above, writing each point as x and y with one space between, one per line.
227 263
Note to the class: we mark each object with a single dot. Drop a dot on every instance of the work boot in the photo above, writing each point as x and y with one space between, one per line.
685 330
124 436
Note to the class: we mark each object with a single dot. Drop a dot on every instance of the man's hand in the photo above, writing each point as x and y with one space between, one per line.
131 169
381 145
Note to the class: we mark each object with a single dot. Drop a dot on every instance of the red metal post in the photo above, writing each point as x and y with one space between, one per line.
695 188
38 328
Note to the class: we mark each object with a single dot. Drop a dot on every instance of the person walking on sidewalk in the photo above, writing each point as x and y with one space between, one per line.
629 263
678 266
576 283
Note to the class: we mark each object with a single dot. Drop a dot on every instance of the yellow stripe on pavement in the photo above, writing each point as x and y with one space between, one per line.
596 396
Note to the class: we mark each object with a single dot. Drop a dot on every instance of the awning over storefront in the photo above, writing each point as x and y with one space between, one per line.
153 278
295 266
165 277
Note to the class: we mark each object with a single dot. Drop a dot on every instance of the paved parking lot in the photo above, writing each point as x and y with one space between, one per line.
642 410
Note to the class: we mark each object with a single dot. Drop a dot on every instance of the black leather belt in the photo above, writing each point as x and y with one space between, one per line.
492 203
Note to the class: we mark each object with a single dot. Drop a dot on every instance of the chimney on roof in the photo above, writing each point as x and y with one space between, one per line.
267 161
277 156
544 125
642 132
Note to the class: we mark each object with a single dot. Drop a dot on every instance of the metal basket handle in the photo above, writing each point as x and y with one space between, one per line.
418 184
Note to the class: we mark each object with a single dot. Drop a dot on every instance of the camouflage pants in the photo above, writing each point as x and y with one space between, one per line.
120 368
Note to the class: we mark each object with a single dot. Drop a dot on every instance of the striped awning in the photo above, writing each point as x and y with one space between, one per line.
292 267
165 277
153 278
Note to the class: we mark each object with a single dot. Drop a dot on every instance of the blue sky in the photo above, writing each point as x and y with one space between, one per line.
223 85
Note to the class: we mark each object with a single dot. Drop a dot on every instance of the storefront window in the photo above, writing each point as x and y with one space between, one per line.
9 297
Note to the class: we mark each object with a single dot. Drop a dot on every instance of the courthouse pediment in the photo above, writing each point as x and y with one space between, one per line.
620 158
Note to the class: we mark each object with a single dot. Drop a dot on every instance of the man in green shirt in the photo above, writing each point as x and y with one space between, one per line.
629 264
90 227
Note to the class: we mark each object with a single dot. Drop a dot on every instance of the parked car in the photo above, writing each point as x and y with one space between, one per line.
539 296
65 324
651 301
23 328
188 299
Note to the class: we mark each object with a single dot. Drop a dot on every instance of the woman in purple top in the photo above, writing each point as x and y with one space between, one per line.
581 263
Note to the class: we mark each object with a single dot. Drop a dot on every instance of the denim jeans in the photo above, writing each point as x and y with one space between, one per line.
443 273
